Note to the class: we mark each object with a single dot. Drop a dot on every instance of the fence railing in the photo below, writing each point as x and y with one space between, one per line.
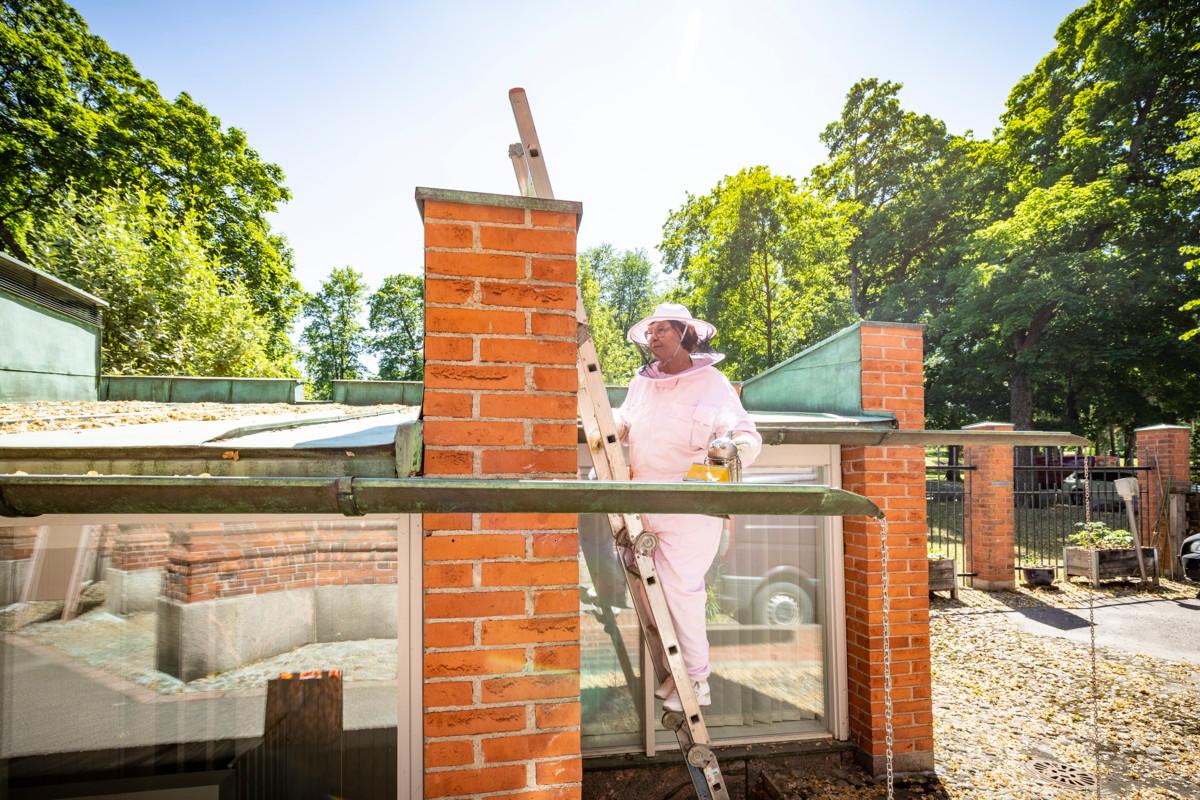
948 504
1052 497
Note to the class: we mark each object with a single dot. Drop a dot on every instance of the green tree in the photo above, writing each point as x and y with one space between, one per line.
334 335
170 314
625 282
618 359
1187 182
1105 114
397 319
762 261
74 112
887 171
1025 272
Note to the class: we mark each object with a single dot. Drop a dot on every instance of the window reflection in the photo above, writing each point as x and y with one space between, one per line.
134 648
766 628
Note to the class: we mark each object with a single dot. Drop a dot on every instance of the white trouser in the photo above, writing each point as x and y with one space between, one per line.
687 544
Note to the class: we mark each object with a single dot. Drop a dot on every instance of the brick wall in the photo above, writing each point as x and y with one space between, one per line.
501 590
893 477
1166 448
207 561
993 524
16 542
137 546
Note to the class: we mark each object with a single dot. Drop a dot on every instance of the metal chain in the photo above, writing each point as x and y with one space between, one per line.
1087 516
888 736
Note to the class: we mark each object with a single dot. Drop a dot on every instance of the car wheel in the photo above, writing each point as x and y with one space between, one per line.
783 603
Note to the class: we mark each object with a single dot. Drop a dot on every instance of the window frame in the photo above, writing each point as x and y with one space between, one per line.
837 713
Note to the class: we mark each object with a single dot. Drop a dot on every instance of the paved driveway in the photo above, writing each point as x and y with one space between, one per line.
1167 629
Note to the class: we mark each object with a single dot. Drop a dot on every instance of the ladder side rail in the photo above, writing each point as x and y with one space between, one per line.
635 548
529 140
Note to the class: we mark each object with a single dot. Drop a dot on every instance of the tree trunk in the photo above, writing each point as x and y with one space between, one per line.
855 279
1021 400
766 264
1020 404
8 243
1071 410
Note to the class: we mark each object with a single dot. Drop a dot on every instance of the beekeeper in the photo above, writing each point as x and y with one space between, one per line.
678 403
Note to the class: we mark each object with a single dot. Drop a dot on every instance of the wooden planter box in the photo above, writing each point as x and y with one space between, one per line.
943 576
1103 565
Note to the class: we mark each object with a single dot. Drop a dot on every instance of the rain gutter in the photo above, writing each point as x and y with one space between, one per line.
33 495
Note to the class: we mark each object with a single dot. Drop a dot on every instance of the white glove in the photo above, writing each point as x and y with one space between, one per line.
747 447
622 425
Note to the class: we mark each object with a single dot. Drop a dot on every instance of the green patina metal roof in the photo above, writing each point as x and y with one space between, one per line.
33 495
370 393
49 336
824 377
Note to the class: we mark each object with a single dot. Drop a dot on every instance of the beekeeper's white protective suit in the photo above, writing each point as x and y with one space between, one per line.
671 418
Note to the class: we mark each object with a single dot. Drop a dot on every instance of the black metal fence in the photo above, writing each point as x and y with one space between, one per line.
947 505
1049 491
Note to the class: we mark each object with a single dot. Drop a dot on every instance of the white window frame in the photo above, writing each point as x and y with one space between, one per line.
837 706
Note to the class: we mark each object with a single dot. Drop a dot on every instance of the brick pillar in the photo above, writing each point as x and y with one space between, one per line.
137 558
1166 448
993 525
501 590
892 380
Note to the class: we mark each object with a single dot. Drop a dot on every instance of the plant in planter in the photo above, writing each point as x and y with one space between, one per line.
1100 552
943 573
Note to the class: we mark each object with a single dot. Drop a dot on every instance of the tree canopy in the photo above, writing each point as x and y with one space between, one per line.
763 261
77 116
618 289
1075 277
170 314
397 320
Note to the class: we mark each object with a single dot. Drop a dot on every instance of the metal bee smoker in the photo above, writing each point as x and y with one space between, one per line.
723 452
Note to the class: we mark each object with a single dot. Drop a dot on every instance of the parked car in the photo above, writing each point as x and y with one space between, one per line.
1189 557
765 570
1103 492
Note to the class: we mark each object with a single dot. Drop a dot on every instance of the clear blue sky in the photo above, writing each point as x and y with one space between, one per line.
636 103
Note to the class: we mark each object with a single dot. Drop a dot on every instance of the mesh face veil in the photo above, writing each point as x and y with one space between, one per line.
689 339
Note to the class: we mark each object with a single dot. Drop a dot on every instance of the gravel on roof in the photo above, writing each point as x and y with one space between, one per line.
65 416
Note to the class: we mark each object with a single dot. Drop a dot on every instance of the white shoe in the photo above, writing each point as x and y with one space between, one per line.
703 697
665 689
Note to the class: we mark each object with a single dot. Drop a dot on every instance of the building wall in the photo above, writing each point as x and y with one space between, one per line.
501 590
45 355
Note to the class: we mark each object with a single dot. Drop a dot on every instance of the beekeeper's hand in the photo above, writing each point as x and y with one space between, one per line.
622 425
748 447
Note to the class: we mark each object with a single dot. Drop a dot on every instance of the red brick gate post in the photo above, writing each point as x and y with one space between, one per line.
501 590
993 524
892 380
1167 449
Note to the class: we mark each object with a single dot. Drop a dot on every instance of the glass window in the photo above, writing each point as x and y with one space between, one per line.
230 653
768 594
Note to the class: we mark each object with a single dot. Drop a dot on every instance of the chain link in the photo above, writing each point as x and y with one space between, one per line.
1087 516
888 736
